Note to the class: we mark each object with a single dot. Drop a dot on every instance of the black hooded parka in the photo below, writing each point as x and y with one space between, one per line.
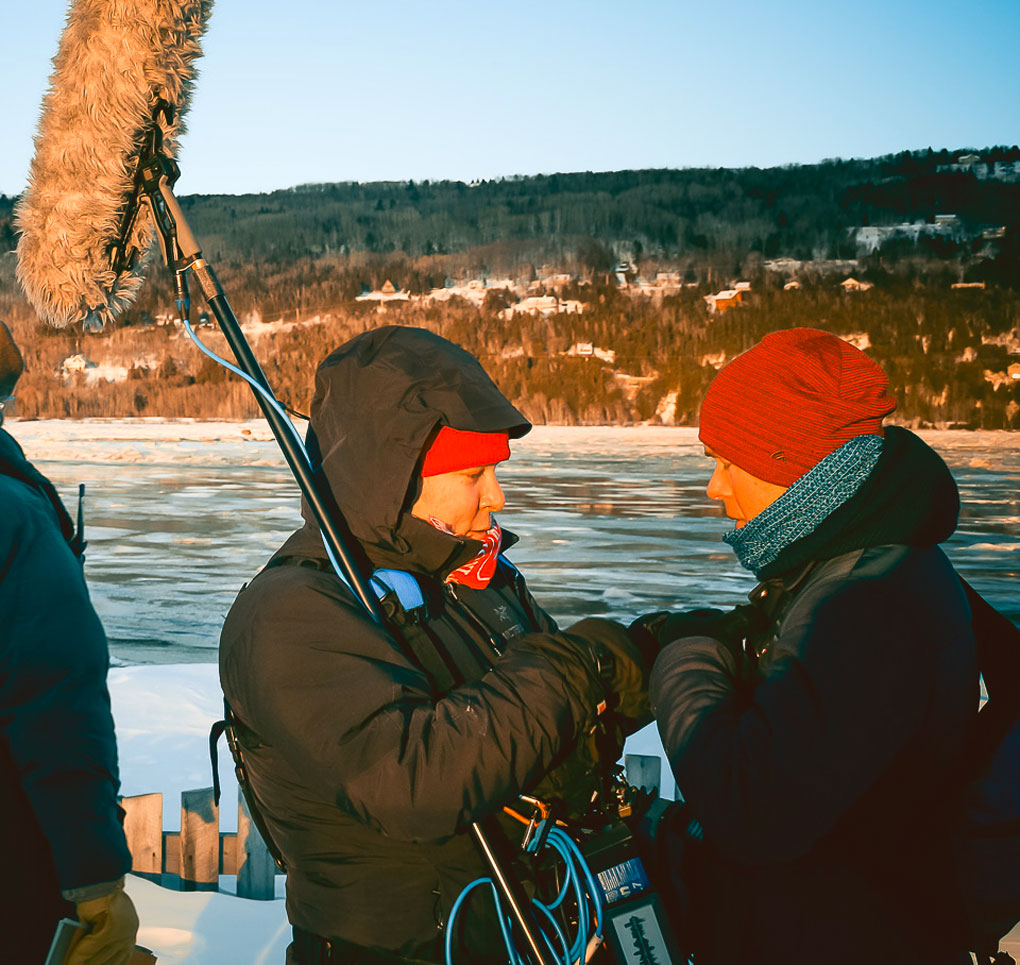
371 755
822 774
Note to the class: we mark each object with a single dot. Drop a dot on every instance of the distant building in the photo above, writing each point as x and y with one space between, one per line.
742 286
968 284
853 285
76 363
859 340
724 300
388 293
791 285
590 350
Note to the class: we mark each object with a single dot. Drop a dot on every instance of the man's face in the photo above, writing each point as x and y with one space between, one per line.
463 500
743 496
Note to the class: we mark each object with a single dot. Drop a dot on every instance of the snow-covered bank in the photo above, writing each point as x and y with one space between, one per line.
203 928
163 714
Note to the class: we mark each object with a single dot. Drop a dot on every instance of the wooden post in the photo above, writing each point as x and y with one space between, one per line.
643 770
200 841
256 870
143 828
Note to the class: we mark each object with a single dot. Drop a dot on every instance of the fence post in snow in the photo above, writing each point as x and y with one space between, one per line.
200 841
143 828
256 870
643 770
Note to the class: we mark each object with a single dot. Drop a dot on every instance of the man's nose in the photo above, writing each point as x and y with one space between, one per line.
718 485
492 496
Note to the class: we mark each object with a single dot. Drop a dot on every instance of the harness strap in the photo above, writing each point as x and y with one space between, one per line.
229 726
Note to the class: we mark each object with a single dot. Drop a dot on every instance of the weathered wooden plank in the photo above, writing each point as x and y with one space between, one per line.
171 852
143 828
643 770
256 871
228 853
200 841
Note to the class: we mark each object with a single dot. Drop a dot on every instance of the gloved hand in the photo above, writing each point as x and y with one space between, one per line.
112 926
653 631
621 667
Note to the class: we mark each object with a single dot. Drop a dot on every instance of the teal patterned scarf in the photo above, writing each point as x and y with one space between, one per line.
806 503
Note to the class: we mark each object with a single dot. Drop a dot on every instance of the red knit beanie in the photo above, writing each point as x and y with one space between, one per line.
780 408
455 449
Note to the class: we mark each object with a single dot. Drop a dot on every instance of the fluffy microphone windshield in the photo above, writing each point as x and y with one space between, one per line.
117 59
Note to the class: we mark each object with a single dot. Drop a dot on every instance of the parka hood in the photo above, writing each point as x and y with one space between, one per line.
910 498
379 400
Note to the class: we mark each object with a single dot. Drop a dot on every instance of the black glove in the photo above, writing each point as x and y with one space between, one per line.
653 631
621 667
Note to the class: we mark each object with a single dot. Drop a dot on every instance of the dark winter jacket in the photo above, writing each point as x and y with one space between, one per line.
372 755
59 818
820 775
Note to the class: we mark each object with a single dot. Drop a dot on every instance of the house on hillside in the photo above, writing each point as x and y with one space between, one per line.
75 363
388 293
791 286
853 285
724 300
544 305
967 284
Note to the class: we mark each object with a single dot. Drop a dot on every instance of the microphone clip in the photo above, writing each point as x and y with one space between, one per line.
155 175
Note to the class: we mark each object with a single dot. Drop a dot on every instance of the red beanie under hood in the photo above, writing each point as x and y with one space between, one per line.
784 405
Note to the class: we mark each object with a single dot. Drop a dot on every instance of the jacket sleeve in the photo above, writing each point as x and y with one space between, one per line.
770 768
54 705
335 695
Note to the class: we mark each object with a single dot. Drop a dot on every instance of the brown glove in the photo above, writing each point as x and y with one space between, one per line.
112 924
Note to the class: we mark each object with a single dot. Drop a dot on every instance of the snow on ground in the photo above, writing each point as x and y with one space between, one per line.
205 928
163 714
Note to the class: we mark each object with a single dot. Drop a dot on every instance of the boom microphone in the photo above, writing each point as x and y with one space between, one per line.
123 75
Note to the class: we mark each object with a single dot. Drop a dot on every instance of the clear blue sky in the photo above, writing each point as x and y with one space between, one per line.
302 91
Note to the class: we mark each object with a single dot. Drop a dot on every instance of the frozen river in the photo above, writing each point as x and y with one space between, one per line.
612 521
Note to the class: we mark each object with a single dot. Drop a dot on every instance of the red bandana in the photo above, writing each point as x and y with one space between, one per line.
478 571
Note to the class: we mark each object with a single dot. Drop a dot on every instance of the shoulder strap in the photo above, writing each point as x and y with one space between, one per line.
403 584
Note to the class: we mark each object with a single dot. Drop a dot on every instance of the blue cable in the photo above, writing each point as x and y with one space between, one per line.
273 404
578 880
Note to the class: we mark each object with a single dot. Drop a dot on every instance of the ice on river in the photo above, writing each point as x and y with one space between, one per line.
613 521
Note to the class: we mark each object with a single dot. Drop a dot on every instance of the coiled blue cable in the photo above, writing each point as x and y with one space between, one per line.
578 881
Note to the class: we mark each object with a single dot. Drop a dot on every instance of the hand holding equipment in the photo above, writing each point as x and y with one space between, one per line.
653 631
112 924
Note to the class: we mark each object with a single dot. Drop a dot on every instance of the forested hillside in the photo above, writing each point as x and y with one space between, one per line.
613 347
